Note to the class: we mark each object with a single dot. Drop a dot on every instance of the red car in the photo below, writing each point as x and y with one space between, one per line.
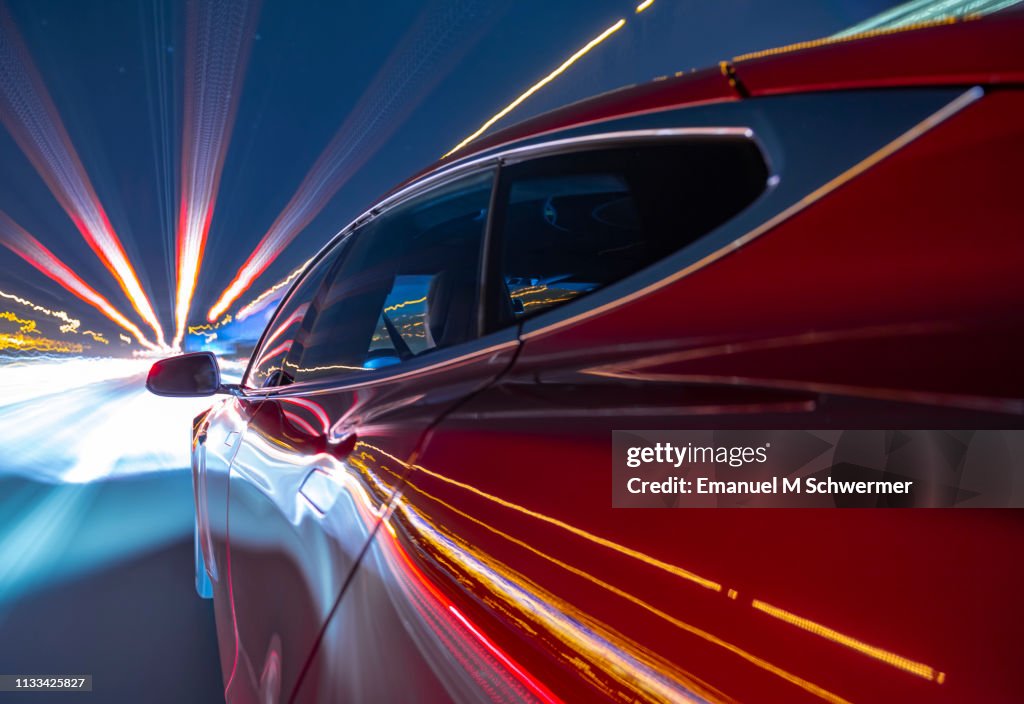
409 497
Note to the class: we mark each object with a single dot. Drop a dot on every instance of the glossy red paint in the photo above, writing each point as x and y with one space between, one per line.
444 531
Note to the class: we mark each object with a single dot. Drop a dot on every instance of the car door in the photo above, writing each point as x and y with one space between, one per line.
386 346
217 437
506 573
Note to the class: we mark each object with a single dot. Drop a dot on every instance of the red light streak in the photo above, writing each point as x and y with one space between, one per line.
32 251
218 39
29 114
432 598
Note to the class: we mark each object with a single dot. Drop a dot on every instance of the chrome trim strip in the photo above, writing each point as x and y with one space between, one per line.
956 105
531 151
559 145
331 385
675 107
436 178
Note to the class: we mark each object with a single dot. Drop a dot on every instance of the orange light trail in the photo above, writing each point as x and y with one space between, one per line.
204 329
24 326
218 40
885 656
403 304
96 336
897 661
21 343
425 594
407 510
29 326
635 554
29 114
32 251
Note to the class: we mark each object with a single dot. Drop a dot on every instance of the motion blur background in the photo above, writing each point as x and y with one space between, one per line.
165 170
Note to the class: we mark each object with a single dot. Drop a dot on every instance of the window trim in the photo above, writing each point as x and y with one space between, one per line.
610 140
335 245
630 288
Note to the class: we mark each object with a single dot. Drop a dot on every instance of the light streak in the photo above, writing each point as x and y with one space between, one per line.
261 300
643 6
604 542
124 338
421 60
70 324
538 85
327 368
529 289
208 332
123 432
197 329
547 301
313 407
29 326
550 601
436 611
96 336
25 326
21 343
897 661
403 304
635 554
218 39
29 114
32 251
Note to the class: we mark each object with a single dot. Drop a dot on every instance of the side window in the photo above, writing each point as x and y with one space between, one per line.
267 368
407 286
579 221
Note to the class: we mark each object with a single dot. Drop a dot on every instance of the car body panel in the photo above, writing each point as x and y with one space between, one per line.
984 50
216 439
313 476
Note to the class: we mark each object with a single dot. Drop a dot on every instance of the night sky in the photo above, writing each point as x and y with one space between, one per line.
409 80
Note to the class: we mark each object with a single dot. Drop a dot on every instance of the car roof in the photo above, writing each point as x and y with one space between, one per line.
985 50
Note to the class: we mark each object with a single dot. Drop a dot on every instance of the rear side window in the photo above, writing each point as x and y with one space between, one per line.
575 222
408 285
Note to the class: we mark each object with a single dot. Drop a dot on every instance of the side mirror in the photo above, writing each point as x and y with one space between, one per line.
193 374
